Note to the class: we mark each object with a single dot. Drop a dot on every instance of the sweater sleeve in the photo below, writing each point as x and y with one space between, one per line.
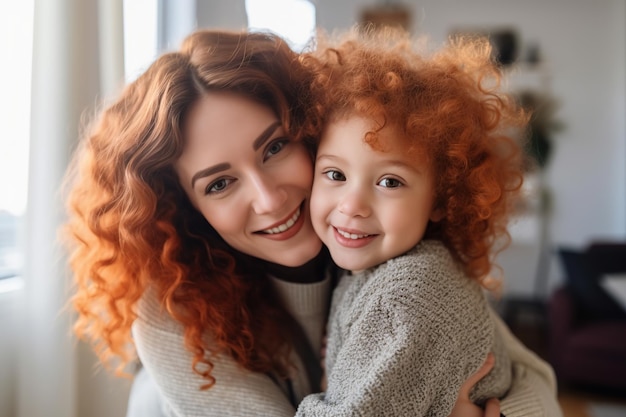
403 350
533 389
159 341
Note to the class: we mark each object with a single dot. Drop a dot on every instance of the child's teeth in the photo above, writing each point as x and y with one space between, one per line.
351 235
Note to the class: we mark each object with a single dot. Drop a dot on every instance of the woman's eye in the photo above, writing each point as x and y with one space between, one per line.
275 147
218 186
335 175
390 183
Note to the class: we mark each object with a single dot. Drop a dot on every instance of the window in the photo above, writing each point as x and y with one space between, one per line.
140 36
16 28
297 28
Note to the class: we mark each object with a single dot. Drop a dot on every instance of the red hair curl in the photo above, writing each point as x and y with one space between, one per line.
449 105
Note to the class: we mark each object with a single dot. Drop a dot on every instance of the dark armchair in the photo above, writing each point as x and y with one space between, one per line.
587 325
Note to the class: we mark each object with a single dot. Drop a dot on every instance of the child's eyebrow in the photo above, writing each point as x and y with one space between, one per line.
327 156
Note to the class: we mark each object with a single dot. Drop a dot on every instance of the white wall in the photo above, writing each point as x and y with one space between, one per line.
222 14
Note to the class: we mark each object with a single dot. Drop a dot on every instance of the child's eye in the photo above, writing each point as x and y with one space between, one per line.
275 147
390 183
218 186
334 175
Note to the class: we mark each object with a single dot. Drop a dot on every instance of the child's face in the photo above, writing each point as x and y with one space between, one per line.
368 206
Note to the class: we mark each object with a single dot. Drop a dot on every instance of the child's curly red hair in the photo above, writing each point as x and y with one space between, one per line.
131 227
449 105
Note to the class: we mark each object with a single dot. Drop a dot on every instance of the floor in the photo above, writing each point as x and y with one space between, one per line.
574 406
576 402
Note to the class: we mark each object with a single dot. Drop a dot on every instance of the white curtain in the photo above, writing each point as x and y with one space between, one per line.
69 75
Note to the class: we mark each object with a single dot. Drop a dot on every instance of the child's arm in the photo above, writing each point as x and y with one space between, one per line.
395 370
402 348
533 389
464 407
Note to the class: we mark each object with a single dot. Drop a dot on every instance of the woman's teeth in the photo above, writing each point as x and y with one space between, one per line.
285 226
351 235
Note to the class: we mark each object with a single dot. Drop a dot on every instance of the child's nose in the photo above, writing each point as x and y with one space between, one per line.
355 203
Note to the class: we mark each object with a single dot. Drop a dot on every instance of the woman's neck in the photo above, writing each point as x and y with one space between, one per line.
312 271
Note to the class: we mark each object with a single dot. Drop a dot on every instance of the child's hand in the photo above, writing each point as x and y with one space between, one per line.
464 407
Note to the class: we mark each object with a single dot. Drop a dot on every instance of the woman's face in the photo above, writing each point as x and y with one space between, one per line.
248 179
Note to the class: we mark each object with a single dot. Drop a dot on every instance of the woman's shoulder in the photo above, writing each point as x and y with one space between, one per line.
153 317
160 343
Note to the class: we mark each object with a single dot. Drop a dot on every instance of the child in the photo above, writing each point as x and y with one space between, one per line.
414 181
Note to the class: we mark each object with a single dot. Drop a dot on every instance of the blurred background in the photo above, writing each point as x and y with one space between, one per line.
564 59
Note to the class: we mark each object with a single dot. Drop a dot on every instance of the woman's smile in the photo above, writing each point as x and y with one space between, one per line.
285 229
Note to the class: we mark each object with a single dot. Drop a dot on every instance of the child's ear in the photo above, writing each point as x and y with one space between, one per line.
436 215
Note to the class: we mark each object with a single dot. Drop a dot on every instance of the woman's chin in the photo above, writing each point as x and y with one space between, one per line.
297 257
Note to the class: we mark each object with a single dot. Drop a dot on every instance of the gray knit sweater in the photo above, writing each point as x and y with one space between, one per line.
404 336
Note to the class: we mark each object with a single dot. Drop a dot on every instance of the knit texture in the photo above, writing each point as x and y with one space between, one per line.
404 336
533 391
237 392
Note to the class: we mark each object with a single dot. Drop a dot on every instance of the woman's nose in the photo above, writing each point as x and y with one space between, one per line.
355 203
268 195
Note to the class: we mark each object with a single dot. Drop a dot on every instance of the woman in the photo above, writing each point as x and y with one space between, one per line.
189 222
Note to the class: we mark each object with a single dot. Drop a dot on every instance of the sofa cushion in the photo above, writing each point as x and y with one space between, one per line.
606 338
583 272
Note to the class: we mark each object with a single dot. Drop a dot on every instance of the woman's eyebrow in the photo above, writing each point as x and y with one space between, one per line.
258 142
209 171
265 135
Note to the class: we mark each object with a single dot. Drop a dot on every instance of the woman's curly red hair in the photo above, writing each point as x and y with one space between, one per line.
132 228
449 105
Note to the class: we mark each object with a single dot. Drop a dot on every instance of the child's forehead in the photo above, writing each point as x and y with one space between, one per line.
372 123
381 135
382 127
